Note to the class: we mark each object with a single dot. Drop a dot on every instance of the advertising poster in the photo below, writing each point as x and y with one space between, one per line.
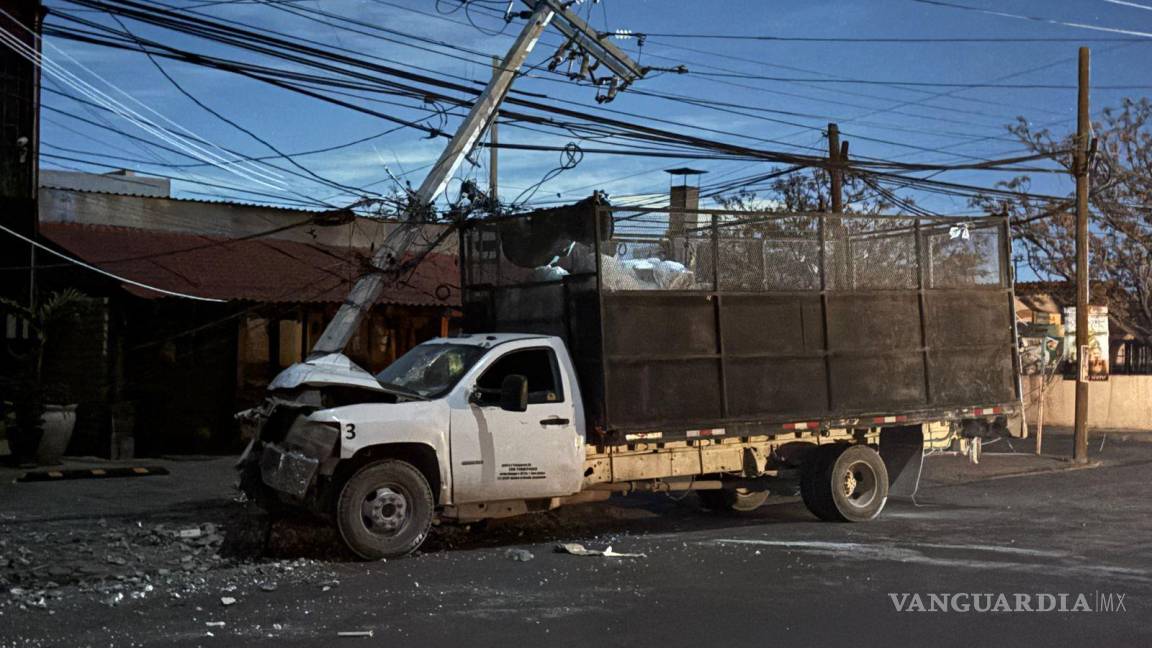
1094 366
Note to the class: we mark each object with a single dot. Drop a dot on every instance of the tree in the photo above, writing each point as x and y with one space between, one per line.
1120 202
879 252
809 191
29 389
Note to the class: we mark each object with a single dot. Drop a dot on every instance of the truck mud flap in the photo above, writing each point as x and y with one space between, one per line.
287 472
902 449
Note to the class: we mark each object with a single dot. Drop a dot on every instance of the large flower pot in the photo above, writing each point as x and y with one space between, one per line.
58 422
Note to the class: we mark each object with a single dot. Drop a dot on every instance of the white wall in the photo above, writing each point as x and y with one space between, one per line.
1121 402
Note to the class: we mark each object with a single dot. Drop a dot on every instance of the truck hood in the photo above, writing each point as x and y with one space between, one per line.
325 370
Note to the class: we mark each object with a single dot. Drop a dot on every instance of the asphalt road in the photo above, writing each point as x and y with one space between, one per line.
775 578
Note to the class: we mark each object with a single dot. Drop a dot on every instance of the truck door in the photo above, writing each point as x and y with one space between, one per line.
500 454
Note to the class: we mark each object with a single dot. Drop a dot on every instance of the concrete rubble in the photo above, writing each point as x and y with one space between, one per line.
119 562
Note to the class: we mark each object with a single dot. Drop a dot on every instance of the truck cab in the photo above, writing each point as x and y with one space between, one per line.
482 419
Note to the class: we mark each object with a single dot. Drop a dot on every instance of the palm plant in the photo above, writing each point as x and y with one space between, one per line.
26 392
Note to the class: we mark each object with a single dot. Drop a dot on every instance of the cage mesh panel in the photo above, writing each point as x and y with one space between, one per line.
956 262
644 252
883 261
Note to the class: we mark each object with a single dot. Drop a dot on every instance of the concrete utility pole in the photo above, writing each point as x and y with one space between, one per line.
401 242
1080 167
493 141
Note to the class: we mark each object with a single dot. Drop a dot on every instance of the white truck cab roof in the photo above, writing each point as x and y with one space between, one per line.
487 339
337 369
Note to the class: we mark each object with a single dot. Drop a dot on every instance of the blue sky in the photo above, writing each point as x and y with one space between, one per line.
945 125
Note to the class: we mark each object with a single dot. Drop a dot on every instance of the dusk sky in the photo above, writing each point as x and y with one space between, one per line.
861 85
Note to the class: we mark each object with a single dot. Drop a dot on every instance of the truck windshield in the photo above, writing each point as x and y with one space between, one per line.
430 370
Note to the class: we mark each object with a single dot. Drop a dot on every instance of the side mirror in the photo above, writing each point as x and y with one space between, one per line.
514 393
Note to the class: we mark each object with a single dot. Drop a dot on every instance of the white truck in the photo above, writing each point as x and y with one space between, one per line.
607 378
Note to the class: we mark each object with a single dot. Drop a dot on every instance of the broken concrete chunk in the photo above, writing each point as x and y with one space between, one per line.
520 555
577 549
227 600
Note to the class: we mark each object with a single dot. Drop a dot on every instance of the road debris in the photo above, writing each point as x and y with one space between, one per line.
227 600
121 562
214 624
577 549
355 633
519 555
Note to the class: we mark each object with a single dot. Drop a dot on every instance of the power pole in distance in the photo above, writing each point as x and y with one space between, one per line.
1080 167
835 170
838 159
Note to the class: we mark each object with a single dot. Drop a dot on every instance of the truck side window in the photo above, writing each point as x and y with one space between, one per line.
537 365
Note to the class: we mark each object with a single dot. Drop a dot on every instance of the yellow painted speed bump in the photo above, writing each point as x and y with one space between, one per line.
92 473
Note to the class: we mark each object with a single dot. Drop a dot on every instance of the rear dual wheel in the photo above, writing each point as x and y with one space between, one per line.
844 483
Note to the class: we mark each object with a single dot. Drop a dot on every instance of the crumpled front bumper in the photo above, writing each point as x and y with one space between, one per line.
287 471
288 454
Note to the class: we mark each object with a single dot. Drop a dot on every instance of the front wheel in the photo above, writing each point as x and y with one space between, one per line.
845 483
385 510
740 500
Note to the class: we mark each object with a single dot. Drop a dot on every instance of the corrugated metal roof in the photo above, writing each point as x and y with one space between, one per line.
234 203
258 269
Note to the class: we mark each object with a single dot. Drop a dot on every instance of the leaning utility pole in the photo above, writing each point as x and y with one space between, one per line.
1080 168
493 143
390 257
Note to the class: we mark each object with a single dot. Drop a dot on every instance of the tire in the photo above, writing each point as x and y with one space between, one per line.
845 483
385 510
740 500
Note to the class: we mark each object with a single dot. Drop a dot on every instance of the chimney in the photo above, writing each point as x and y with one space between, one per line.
683 200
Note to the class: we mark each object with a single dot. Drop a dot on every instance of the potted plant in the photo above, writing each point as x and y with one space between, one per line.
40 420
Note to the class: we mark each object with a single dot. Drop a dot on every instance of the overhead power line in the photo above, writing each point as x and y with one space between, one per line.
918 84
623 128
1040 19
885 39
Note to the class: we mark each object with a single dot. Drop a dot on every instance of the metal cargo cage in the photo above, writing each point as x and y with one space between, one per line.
684 319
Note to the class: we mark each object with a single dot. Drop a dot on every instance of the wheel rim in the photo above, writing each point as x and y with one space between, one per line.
858 484
744 499
384 511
